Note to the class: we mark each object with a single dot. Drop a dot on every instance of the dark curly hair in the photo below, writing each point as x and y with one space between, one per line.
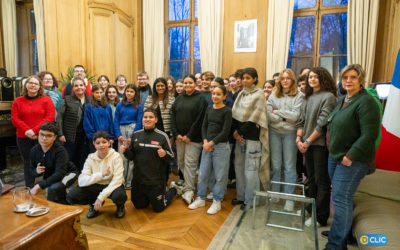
326 82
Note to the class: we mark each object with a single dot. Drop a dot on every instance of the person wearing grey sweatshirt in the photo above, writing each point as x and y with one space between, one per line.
283 108
320 99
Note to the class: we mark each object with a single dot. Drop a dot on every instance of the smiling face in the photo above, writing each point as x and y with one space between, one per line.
218 96
286 82
313 81
32 87
79 87
248 80
98 94
268 89
47 81
121 83
142 80
102 146
232 83
160 88
103 82
170 85
149 120
206 83
130 94
111 94
189 85
350 82
179 87
79 72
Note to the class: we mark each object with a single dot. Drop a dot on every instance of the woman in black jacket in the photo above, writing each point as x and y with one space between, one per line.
70 122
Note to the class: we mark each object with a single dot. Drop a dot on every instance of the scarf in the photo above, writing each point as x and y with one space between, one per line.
251 106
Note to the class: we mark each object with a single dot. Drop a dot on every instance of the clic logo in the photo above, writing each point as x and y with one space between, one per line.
373 240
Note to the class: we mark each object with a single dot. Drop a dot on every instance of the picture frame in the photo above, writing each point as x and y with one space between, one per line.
245 36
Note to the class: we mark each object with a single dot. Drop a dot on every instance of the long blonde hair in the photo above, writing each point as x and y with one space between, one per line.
278 90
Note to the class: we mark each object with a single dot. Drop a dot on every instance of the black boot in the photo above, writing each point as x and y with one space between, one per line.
120 211
92 213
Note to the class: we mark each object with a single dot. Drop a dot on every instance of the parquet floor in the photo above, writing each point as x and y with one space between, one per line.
177 227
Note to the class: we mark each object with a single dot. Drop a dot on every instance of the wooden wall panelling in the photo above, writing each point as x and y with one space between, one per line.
51 37
138 57
101 42
123 39
242 10
2 63
24 55
395 38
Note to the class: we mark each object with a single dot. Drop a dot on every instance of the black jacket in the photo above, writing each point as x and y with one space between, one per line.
187 114
56 162
149 168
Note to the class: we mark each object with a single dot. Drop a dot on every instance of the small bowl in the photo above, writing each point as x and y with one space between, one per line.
37 211
23 208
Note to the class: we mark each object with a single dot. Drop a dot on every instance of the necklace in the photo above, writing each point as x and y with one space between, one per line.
347 99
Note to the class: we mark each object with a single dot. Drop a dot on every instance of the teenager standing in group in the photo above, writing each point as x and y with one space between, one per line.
128 118
216 151
187 115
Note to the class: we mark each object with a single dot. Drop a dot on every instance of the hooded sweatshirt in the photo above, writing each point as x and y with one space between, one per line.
92 172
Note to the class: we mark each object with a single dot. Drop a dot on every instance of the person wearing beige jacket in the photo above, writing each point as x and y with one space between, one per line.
101 177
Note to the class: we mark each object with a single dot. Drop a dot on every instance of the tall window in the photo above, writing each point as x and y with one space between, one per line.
182 38
319 35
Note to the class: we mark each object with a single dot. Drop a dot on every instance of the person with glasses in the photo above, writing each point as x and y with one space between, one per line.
50 160
120 82
50 86
79 72
144 87
28 112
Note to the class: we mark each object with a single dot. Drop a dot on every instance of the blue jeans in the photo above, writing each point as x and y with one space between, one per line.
345 181
247 165
214 165
283 155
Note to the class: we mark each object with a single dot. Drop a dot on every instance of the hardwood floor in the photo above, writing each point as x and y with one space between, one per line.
177 227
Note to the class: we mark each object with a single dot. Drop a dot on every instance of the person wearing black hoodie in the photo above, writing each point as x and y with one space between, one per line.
187 115
50 159
144 87
151 153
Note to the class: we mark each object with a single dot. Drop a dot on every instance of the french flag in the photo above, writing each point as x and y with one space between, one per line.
388 154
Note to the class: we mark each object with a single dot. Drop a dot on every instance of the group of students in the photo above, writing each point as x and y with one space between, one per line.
230 125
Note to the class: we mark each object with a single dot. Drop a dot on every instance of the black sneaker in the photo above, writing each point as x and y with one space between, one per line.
92 213
325 234
120 211
237 202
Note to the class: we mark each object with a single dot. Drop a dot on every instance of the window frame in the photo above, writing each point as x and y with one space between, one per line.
318 11
191 23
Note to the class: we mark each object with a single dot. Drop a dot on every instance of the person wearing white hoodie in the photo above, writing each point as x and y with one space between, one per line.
101 177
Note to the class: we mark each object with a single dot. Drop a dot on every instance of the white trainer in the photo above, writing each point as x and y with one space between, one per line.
289 206
309 221
188 196
197 203
210 196
179 189
215 207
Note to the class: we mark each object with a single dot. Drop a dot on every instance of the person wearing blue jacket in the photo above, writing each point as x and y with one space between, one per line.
127 120
97 116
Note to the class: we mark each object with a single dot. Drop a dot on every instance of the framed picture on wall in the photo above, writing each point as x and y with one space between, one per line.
245 36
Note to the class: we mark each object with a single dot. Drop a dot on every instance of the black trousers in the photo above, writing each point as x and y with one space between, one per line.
143 195
56 192
88 195
24 146
78 151
319 181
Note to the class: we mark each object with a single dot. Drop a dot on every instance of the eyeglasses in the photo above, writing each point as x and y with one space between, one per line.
79 71
33 83
351 78
48 79
46 135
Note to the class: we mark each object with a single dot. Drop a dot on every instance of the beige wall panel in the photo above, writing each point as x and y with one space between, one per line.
243 10
23 41
101 42
138 58
51 36
123 48
2 64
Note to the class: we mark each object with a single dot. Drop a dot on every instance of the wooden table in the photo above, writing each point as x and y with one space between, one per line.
58 229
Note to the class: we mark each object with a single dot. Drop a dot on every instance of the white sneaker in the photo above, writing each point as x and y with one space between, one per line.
289 206
197 203
309 221
210 196
179 189
215 207
188 196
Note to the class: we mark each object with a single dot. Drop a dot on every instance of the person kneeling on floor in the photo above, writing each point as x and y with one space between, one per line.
151 153
50 159
101 177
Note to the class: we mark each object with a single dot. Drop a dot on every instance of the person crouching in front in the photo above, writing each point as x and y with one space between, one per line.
101 177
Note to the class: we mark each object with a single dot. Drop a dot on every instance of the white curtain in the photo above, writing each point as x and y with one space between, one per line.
280 17
362 25
153 37
211 31
10 36
40 36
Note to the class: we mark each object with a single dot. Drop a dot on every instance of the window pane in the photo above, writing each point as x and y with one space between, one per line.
178 42
35 60
196 46
334 2
297 63
178 10
302 37
32 20
303 4
178 69
195 9
333 34
334 64
196 67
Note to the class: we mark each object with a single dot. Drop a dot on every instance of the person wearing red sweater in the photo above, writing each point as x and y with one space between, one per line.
28 112
79 72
